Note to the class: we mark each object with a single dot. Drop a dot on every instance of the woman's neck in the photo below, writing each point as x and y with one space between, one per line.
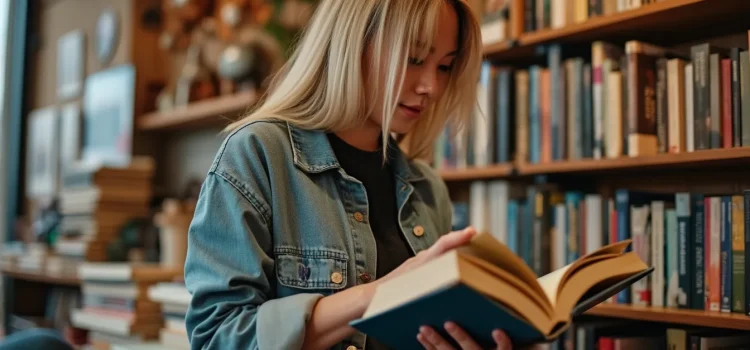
366 137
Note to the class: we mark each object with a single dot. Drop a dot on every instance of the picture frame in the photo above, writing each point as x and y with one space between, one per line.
42 162
108 108
71 53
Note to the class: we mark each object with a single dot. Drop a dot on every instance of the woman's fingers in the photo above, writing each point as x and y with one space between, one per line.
451 240
426 343
502 340
433 339
463 339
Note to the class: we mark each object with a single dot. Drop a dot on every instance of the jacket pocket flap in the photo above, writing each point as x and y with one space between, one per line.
311 269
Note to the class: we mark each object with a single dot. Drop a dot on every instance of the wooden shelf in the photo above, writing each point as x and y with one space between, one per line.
40 276
673 316
667 22
490 172
728 156
210 112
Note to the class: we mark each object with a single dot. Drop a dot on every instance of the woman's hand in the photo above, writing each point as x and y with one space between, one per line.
443 244
431 340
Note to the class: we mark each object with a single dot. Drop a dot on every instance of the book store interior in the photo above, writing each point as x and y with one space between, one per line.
583 183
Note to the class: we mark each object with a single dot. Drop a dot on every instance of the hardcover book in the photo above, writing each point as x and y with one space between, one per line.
485 286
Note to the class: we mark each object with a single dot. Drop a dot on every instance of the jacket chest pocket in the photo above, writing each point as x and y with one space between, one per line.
311 270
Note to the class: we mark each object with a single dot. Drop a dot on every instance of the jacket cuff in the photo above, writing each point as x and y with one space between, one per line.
281 322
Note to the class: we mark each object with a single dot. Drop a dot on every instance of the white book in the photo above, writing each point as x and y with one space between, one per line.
478 206
558 239
676 105
593 222
657 253
613 134
641 236
498 208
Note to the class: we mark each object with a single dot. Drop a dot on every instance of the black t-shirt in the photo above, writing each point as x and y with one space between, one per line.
380 184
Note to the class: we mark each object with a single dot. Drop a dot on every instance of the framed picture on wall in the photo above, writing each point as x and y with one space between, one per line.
42 153
71 55
108 107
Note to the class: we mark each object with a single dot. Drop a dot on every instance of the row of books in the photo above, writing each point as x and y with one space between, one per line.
116 307
606 101
535 15
695 241
96 202
553 14
621 335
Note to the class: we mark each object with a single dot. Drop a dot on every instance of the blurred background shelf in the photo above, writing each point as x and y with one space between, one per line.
209 112
41 276
674 316
666 22
466 174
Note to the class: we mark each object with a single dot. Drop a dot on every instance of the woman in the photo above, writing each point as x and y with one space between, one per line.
310 201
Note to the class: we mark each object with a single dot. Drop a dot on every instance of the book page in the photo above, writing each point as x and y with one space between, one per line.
551 283
486 247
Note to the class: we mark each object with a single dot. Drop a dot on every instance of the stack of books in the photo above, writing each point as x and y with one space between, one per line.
175 299
116 306
97 201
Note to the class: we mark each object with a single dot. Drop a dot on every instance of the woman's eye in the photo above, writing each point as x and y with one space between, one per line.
446 68
415 61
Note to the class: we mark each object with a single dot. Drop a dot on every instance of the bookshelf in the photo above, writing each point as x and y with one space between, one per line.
673 316
545 165
209 112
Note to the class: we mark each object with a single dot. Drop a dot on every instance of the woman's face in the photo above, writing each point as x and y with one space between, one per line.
425 80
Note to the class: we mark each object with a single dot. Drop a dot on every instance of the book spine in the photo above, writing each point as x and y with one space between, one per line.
504 137
642 139
597 62
746 207
657 253
672 268
701 96
686 250
734 56
689 109
557 113
715 115
513 226
727 132
745 96
622 204
738 254
713 282
588 113
534 115
698 264
726 254
661 105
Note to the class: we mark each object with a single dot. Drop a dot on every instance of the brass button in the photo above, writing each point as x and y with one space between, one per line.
336 277
359 217
351 347
365 277
418 230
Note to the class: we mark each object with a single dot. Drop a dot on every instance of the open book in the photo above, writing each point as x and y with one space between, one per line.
484 286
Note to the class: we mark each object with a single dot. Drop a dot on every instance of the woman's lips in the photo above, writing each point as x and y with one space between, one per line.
411 111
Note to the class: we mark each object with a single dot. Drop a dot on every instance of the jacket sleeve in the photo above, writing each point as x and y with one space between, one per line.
229 270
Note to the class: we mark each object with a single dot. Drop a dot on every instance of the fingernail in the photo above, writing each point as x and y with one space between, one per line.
450 326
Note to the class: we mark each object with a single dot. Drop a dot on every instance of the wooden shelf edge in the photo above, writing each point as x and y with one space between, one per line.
40 276
654 161
672 315
494 171
200 112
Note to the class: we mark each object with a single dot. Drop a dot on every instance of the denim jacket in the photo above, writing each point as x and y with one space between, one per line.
278 225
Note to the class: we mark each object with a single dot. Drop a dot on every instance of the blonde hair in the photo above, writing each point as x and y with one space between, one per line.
322 86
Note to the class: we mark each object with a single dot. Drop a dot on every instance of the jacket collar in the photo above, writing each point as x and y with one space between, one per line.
313 153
